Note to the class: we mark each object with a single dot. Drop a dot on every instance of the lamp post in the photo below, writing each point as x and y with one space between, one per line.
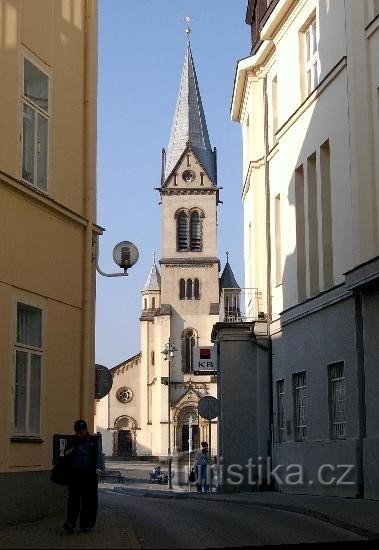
168 353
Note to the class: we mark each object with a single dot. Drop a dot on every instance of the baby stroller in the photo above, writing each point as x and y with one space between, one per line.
157 476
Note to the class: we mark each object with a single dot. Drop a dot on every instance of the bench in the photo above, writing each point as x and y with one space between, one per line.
112 475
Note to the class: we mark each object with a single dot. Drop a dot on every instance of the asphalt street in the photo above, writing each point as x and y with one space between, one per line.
181 523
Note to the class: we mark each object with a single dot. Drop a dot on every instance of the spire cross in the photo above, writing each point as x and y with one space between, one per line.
153 256
227 257
188 28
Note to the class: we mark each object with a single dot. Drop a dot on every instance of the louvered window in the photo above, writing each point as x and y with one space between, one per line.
182 231
195 231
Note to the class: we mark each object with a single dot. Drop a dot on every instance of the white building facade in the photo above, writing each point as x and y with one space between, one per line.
307 101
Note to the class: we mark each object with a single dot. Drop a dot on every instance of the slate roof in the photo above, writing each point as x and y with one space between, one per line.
153 281
189 124
227 279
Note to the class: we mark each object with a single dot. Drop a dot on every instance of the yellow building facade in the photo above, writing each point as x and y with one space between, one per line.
48 82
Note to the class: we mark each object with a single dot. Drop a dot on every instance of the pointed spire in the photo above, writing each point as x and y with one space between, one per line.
189 125
227 279
153 281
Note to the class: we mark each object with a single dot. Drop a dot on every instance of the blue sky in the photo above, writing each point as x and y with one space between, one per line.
142 45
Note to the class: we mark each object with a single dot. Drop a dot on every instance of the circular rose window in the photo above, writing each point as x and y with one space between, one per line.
124 395
188 176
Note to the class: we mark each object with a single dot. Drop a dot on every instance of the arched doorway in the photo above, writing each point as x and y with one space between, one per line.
188 420
124 442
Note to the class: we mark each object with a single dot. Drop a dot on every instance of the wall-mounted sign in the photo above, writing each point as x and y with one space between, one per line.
205 360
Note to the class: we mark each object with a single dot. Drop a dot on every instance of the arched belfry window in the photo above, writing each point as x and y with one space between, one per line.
182 289
189 289
189 340
196 289
182 231
189 231
195 231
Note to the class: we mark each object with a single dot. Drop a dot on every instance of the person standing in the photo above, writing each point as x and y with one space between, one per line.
202 467
84 461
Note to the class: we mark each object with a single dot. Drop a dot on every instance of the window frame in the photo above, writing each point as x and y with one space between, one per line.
300 428
187 359
281 422
334 425
311 63
29 350
37 111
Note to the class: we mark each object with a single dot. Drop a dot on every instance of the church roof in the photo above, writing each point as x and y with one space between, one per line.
153 281
189 124
227 279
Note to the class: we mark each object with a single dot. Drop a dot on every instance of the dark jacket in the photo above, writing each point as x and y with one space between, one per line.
85 456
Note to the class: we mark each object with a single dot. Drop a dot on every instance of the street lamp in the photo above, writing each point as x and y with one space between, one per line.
168 353
125 255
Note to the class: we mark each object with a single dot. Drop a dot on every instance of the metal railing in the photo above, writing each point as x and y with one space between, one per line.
241 305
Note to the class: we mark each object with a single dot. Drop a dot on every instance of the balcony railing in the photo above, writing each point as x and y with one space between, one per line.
241 305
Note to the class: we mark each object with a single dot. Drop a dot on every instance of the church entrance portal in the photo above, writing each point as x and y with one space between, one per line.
125 443
124 439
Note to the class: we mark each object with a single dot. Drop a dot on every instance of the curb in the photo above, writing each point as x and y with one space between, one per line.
322 516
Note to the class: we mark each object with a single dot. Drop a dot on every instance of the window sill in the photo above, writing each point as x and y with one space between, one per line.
26 439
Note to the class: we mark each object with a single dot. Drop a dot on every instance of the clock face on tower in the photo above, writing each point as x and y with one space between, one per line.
188 176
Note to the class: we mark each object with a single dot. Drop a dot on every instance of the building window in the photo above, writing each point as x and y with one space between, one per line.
152 358
182 289
195 232
28 371
300 406
182 231
145 303
35 126
311 57
189 230
153 303
196 289
337 410
189 338
189 289
280 416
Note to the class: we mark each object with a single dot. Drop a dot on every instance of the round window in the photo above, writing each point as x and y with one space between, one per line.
124 395
188 175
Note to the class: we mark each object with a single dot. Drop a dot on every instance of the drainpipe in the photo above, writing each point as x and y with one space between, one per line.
87 382
268 264
361 391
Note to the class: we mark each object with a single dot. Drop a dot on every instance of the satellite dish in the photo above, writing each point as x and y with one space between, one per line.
103 381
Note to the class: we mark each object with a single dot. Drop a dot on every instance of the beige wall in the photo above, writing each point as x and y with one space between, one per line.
46 246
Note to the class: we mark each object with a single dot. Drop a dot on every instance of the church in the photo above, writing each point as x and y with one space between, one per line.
153 404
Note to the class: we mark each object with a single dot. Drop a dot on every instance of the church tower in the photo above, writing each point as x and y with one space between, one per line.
180 304
153 404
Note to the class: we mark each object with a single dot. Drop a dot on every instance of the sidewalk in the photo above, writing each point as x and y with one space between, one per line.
113 530
356 515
